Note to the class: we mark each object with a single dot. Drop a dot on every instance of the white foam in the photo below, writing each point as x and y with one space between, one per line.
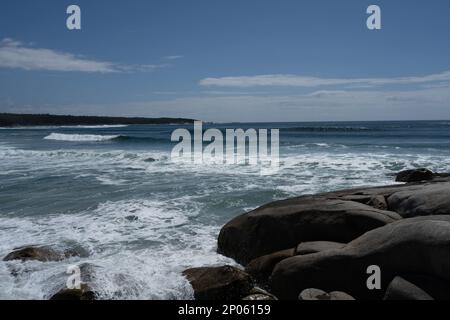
105 126
80 137
138 259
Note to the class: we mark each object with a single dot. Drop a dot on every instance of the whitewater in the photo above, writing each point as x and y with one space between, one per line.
142 219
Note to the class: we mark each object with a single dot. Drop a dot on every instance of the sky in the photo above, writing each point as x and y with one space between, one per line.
227 60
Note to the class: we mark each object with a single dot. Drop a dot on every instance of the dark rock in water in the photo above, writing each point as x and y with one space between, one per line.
84 293
219 283
43 254
417 245
430 199
261 268
132 218
150 160
400 289
317 294
87 272
76 251
317 246
415 175
284 224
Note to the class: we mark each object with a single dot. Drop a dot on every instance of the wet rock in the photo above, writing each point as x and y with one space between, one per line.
284 224
76 251
317 246
84 293
407 246
261 268
43 254
219 283
401 289
415 175
132 218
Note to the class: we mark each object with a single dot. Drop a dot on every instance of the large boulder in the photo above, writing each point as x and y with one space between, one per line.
43 254
414 246
219 283
317 246
401 289
84 293
46 253
284 224
415 175
261 268
430 199
88 275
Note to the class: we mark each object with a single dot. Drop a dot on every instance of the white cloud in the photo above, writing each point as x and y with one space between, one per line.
305 81
16 55
173 57
322 105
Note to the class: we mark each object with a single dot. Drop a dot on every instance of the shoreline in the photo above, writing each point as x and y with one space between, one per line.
11 120
324 246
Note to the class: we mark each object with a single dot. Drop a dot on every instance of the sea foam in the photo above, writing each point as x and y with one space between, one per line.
80 137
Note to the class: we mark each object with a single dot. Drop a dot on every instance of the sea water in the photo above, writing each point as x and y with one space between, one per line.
143 219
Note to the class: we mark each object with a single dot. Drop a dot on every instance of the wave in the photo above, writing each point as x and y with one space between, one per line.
80 137
327 129
105 126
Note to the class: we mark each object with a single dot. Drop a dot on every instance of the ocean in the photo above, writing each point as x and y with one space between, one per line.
142 219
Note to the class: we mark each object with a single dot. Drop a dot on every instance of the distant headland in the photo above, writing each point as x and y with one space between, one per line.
19 120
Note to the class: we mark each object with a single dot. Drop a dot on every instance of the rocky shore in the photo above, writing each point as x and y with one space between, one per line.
379 243
323 247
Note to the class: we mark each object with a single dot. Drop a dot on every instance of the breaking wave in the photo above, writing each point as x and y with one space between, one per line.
80 137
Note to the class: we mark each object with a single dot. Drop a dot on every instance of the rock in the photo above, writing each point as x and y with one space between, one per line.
418 245
261 268
43 254
132 218
378 202
317 246
259 291
400 289
340 296
313 294
84 293
430 199
284 224
415 175
219 283
374 201
317 294
258 297
150 160
76 251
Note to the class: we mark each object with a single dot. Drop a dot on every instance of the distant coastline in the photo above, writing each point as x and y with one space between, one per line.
22 120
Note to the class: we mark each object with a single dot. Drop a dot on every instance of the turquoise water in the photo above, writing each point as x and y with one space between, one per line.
114 191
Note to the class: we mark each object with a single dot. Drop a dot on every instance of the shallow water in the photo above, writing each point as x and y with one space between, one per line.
144 221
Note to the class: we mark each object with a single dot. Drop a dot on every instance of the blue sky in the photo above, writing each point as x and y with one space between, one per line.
253 60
